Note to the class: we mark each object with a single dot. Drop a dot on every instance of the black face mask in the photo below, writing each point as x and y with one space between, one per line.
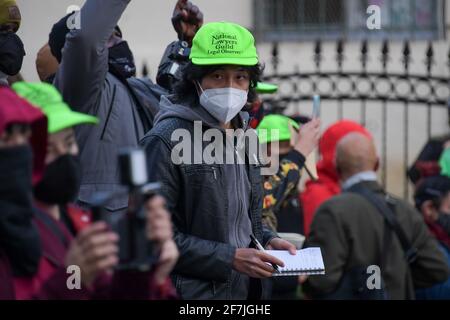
11 53
121 61
23 156
444 222
61 181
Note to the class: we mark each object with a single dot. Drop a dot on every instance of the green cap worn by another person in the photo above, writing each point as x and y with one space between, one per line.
47 98
223 43
10 13
444 162
275 122
264 87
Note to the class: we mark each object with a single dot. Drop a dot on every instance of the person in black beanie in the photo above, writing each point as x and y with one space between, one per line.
57 36
96 76
432 199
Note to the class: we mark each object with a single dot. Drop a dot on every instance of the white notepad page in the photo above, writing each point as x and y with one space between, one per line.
307 261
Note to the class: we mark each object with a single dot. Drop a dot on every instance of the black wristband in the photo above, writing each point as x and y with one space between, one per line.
296 157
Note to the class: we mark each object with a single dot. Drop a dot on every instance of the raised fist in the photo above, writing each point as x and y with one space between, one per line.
186 19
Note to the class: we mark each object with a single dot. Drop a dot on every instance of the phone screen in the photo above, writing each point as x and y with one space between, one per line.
316 106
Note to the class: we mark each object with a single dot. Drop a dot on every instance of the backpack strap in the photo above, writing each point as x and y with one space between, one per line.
390 218
144 113
144 108
44 218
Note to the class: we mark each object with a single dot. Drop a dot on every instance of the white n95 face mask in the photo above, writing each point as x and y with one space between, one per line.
223 103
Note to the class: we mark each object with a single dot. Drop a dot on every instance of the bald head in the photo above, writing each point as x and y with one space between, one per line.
355 153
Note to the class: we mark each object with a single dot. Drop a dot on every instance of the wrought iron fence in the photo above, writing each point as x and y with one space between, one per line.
385 87
277 20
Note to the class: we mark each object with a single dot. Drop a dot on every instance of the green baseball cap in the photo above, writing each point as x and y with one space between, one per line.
264 87
275 122
223 43
47 98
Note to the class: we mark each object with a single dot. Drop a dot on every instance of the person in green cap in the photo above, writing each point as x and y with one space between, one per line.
216 207
294 145
61 180
281 208
94 249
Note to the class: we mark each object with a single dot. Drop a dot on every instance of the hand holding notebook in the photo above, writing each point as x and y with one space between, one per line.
306 262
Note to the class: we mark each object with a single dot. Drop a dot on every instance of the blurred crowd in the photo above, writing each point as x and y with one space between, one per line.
70 227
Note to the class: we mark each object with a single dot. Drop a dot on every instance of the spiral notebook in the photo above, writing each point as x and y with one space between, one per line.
306 262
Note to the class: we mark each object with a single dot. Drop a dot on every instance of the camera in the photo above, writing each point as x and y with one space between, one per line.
172 64
136 252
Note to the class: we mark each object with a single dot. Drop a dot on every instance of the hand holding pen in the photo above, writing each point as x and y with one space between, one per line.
255 263
261 248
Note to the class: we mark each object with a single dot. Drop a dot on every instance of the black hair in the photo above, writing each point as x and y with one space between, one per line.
432 188
57 36
186 91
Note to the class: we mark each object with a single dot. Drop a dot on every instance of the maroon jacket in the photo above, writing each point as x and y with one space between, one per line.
50 280
6 285
19 239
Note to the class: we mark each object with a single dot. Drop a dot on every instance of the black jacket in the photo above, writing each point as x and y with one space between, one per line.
197 198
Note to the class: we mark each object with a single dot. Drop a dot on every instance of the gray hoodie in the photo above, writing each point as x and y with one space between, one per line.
88 87
238 185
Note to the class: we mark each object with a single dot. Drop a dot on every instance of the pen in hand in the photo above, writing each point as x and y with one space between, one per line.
261 248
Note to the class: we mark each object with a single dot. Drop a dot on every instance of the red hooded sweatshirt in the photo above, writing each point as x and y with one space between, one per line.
14 109
327 186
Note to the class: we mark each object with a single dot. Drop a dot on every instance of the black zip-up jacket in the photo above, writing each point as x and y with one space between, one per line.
197 198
